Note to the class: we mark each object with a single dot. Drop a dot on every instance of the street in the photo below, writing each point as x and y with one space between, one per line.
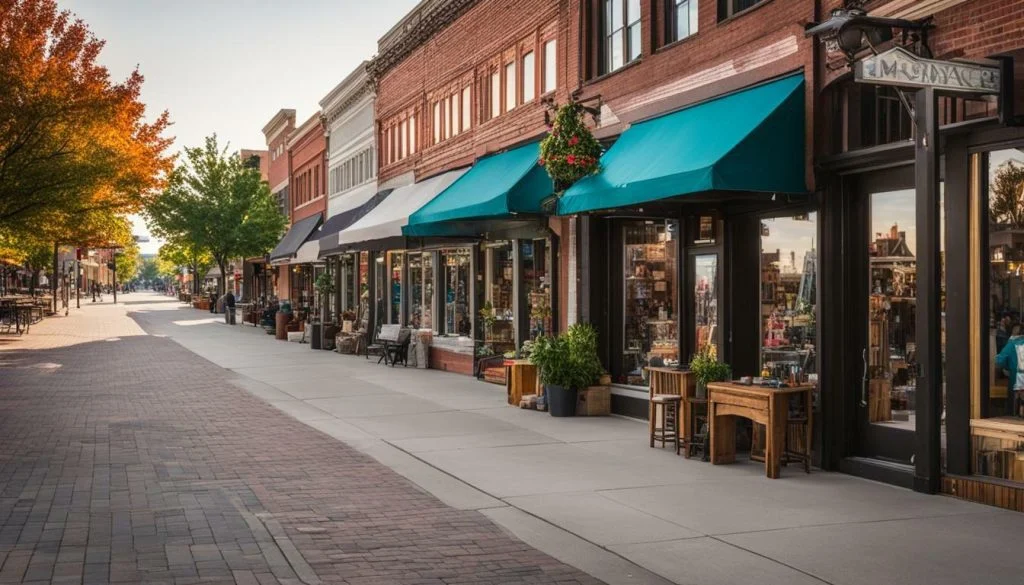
147 442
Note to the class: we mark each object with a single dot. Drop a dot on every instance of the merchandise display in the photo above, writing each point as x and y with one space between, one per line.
650 299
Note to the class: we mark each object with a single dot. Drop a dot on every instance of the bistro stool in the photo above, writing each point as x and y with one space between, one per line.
794 448
666 425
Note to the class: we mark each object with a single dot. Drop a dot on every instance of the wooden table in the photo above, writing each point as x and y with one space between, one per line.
675 382
520 379
761 404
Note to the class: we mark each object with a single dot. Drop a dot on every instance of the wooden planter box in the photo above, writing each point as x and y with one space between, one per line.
450 361
203 305
594 401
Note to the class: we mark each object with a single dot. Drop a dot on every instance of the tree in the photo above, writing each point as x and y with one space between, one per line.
220 204
71 139
127 262
1006 194
173 256
150 271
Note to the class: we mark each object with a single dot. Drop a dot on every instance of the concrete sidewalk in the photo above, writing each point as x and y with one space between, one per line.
590 492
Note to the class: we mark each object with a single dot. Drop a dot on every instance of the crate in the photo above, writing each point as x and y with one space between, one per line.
594 401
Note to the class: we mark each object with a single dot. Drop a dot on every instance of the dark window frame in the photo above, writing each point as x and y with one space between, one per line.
670 13
602 38
728 8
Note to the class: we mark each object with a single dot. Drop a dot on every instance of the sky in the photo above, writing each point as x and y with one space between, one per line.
227 67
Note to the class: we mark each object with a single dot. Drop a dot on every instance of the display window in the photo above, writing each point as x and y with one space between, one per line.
380 286
650 298
396 263
421 290
363 306
349 277
497 313
536 256
457 282
997 417
789 261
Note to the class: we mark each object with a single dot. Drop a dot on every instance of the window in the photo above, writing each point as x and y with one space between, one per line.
404 131
467 109
681 16
412 135
446 106
650 293
510 86
456 116
621 28
437 122
495 94
727 8
550 66
789 266
529 78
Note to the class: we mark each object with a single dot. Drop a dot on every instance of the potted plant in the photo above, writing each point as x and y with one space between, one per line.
567 363
706 368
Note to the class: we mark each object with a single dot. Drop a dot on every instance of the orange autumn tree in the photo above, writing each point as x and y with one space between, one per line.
73 143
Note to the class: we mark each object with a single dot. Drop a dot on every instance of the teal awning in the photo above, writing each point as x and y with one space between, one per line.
750 140
498 187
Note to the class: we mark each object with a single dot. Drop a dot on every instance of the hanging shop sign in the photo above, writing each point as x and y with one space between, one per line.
900 67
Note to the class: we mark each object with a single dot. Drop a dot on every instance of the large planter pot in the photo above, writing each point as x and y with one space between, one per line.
314 336
561 401
702 390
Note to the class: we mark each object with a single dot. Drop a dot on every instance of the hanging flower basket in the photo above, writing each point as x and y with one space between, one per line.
570 151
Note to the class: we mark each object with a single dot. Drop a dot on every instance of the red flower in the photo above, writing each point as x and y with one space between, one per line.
540 161
574 141
571 159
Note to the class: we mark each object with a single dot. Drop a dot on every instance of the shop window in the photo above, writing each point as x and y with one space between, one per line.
349 277
458 320
467 109
510 86
997 426
681 18
363 306
650 298
396 261
789 261
421 290
550 66
730 8
380 284
536 278
497 313
529 78
620 33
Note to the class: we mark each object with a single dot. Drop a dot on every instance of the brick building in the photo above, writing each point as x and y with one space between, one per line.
277 131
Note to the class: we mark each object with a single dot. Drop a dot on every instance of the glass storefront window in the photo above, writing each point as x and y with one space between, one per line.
395 263
497 313
458 320
380 290
650 298
421 290
789 261
348 283
705 303
363 307
537 284
997 428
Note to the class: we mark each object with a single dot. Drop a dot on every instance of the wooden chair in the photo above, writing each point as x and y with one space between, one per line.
399 349
386 336
666 425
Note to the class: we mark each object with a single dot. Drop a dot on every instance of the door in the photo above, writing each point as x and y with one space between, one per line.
705 275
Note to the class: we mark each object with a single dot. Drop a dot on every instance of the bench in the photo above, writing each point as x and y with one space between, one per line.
392 342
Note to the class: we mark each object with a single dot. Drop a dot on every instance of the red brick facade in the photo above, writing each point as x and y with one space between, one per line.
482 40
307 151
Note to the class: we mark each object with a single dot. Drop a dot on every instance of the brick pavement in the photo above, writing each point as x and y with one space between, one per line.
126 458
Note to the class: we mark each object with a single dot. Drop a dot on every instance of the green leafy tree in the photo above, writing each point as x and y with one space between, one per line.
1006 194
127 261
173 256
220 204
149 271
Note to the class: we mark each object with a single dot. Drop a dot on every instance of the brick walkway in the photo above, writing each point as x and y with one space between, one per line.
126 458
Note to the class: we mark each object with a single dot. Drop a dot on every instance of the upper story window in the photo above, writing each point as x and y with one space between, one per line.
398 137
529 78
495 94
681 17
728 8
353 171
451 114
467 108
510 86
621 30
550 66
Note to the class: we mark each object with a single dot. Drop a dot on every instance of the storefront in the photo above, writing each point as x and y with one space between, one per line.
699 238
919 219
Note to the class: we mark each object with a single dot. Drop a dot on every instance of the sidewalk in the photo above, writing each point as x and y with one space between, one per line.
590 492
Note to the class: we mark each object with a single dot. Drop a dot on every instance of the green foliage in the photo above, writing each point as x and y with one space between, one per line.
570 151
708 369
324 284
569 360
127 261
218 204
1006 194
150 270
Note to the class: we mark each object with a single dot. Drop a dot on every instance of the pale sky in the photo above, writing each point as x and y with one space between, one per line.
227 67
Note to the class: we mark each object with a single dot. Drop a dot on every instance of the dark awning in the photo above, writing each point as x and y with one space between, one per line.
296 236
329 233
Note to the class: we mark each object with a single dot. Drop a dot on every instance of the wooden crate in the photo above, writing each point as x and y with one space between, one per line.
594 401
521 380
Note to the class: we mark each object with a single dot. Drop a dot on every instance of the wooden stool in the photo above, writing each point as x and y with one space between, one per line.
696 436
666 426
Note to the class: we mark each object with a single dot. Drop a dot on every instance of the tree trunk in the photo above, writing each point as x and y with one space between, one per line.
53 285
33 282
223 280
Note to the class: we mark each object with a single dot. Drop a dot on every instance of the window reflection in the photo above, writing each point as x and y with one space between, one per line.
537 281
789 260
457 289
499 328
650 298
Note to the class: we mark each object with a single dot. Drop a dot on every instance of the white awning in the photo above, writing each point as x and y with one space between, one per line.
307 253
386 220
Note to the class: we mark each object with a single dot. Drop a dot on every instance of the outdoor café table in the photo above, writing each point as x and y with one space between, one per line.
18 310
766 405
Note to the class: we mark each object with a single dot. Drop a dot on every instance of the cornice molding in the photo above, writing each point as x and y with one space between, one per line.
278 123
342 108
396 46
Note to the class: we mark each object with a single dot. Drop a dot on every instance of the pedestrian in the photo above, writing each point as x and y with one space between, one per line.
1011 359
229 307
